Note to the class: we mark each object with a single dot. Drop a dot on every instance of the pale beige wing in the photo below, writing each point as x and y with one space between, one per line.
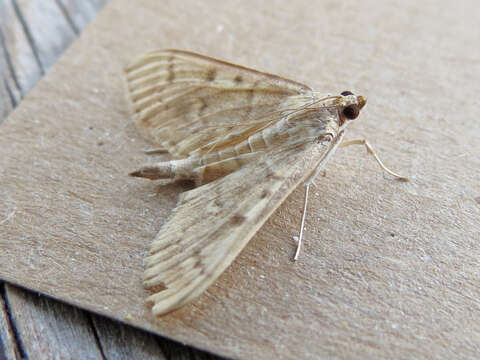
183 101
212 224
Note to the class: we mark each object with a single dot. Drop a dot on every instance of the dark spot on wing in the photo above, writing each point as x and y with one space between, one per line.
238 79
203 107
272 175
264 194
211 74
171 69
218 203
250 97
198 263
157 288
238 219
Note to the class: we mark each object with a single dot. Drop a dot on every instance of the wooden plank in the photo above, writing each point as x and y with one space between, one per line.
10 91
8 346
22 65
51 330
122 342
176 351
48 31
98 4
7 99
78 12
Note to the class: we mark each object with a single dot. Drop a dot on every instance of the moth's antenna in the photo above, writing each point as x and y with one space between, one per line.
304 215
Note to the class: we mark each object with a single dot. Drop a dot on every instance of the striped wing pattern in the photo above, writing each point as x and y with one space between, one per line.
213 223
183 101
191 104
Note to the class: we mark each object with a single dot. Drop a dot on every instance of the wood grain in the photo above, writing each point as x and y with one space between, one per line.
77 13
67 335
32 325
7 101
25 68
47 29
118 341
9 348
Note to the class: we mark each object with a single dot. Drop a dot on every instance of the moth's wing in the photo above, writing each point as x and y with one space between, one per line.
183 101
212 224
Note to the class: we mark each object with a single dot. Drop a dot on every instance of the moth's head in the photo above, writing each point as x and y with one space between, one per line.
349 107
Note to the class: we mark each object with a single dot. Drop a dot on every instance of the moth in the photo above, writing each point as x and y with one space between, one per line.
246 138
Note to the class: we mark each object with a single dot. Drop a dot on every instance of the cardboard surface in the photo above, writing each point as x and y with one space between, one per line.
387 269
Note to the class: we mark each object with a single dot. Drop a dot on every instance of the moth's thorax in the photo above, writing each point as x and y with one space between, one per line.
314 116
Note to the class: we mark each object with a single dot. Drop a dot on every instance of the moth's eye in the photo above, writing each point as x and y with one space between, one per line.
351 112
346 93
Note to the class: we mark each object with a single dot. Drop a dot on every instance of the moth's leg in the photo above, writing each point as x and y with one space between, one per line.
310 181
372 152
302 225
320 168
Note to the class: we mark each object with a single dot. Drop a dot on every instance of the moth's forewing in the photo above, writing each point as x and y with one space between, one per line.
184 101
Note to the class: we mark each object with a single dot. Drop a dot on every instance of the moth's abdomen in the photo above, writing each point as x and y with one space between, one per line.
259 141
232 151
264 139
163 170
221 168
231 157
175 169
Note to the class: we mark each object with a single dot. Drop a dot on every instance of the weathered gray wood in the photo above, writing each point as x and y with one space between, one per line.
47 29
6 98
49 329
176 351
21 65
98 4
8 345
77 13
118 341
10 93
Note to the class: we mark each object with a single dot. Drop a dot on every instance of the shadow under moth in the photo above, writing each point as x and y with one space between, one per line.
246 138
